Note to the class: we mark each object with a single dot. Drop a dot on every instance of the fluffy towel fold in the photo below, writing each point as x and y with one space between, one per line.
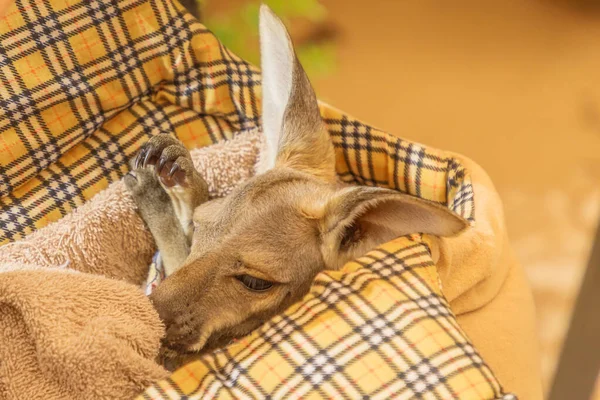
74 322
70 335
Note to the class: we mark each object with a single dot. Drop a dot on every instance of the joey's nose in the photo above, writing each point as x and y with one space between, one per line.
164 306
179 322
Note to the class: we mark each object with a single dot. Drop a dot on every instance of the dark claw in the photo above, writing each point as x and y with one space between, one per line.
149 159
173 169
140 157
161 164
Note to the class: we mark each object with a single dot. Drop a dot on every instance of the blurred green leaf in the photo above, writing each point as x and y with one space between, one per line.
317 60
238 31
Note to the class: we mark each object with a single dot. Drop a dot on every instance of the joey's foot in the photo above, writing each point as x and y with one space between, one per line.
171 164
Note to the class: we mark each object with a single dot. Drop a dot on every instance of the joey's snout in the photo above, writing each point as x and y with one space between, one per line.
179 315
160 303
188 303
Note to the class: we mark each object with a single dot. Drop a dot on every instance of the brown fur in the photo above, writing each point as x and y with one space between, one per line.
283 226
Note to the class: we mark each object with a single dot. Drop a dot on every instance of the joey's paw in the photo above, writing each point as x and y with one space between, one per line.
174 169
169 158
145 188
151 151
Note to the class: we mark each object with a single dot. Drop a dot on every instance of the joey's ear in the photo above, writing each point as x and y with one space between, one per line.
295 135
357 219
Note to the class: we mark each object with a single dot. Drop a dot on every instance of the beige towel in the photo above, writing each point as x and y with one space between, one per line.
69 335
72 323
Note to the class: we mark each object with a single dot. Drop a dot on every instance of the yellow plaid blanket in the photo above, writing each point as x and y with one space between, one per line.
83 83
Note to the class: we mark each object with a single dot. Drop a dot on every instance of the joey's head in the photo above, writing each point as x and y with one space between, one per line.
256 251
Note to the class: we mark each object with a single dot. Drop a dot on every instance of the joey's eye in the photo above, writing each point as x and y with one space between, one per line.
254 284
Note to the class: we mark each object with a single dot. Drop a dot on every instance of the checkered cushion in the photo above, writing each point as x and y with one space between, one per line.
85 82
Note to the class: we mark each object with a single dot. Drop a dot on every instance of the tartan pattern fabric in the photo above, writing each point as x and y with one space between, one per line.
379 328
83 84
